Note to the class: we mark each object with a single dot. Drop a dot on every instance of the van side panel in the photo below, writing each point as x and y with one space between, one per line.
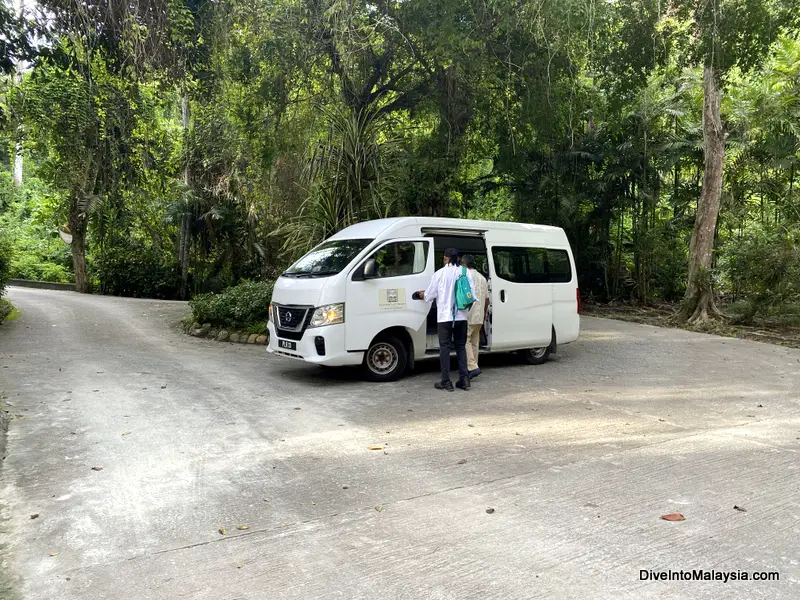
566 320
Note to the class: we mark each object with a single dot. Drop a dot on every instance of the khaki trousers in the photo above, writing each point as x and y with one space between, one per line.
473 346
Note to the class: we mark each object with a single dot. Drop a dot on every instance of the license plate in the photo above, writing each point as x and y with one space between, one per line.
287 345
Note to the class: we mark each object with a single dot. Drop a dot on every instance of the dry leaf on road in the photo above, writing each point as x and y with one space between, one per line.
97 468
673 517
374 447
242 528
223 531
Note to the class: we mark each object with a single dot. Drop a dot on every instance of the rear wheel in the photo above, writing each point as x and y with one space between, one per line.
386 359
536 356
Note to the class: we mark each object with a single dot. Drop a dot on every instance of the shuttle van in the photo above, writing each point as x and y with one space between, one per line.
348 301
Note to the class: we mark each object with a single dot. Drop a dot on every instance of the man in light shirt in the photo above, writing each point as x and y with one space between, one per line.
477 315
452 322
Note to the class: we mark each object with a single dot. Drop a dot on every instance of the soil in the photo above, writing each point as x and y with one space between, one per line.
663 315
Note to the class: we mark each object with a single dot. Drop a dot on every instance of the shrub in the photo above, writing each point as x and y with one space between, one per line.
135 269
6 256
763 272
5 309
241 306
28 266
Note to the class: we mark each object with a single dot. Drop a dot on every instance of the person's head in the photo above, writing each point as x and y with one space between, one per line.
468 261
451 257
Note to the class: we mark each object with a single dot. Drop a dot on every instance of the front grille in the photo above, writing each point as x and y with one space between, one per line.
292 321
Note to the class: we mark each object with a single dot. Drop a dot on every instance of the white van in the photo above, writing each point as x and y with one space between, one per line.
348 301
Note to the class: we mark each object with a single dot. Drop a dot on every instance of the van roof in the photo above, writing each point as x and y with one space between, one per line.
378 227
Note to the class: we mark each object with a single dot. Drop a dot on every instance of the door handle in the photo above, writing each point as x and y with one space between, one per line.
502 295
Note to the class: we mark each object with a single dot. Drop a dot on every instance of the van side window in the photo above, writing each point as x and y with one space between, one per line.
532 265
558 266
401 258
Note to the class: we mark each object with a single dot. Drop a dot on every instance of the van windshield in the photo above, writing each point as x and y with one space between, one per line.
328 259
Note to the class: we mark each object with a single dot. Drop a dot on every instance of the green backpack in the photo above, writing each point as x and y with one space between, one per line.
464 297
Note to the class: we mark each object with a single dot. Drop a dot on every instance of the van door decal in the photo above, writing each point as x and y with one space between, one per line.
392 299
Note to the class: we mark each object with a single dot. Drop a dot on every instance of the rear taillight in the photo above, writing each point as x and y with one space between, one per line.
578 298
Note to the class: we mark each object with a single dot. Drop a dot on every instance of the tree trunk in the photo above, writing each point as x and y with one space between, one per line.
184 236
698 304
77 227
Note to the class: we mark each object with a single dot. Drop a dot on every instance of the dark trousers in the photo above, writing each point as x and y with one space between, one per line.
450 334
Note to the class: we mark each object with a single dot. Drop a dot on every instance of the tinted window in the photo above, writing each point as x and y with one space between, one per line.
532 265
558 266
327 259
401 258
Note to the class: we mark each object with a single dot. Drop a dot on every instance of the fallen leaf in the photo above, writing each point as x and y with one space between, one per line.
126 433
97 468
470 425
345 487
673 517
223 531
163 387
242 528
739 508
35 516
463 461
489 511
374 447
239 566
379 508
54 554
297 408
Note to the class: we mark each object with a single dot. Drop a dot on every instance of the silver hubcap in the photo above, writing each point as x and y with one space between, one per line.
382 358
538 352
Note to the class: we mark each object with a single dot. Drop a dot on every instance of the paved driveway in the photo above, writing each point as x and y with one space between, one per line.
578 458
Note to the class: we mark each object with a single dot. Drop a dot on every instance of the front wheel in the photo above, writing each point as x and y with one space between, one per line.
386 359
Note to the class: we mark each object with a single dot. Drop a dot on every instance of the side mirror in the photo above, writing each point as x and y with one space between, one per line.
369 268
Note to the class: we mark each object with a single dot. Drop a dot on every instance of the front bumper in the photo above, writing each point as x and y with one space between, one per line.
306 347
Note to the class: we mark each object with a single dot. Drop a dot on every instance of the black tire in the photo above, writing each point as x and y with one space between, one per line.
539 356
386 359
536 356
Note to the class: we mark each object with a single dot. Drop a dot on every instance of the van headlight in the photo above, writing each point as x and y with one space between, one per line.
269 313
331 314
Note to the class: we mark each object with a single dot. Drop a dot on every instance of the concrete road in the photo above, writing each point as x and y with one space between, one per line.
579 459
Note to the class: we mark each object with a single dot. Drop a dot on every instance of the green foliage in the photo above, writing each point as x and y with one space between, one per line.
220 140
243 306
763 271
132 268
6 308
6 258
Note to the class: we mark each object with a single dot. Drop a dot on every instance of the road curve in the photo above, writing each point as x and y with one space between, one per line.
163 467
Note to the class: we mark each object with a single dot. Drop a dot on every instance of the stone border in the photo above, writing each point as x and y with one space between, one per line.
225 335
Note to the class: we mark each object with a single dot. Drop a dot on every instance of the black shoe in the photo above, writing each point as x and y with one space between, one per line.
463 384
447 386
474 374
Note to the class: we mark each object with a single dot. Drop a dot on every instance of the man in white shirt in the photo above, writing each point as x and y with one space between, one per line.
477 315
452 322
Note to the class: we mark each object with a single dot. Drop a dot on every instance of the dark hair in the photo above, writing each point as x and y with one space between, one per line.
452 254
468 261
